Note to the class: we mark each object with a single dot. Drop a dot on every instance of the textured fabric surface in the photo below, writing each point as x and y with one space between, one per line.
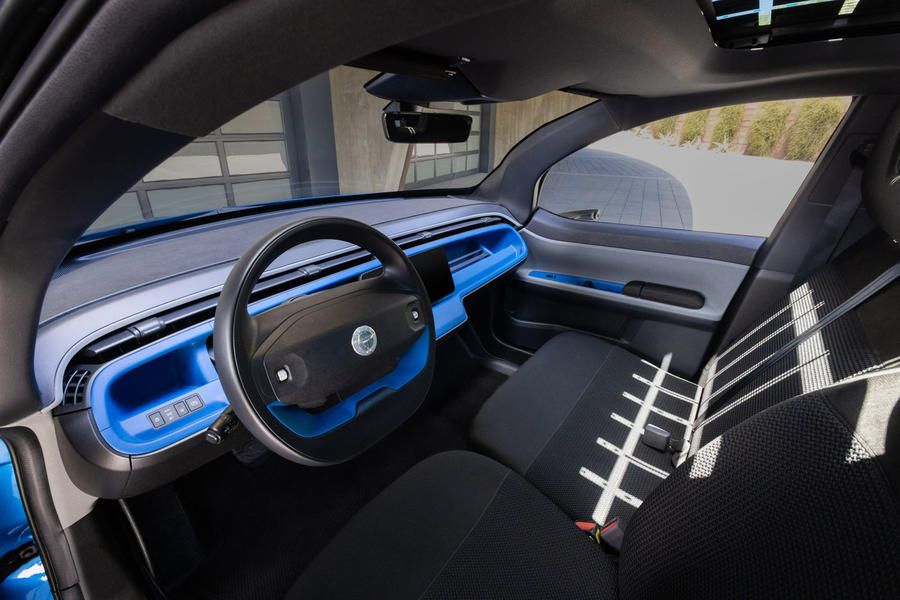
565 420
400 540
789 504
862 340
459 525
570 421
525 547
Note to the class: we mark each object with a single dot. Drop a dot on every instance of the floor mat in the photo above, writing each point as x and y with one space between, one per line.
260 525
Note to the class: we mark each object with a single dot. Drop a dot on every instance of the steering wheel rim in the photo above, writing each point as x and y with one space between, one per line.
324 376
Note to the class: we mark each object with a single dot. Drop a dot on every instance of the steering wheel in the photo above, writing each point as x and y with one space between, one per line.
323 376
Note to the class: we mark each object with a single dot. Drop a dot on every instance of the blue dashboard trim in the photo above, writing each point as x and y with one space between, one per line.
126 391
311 425
29 580
586 282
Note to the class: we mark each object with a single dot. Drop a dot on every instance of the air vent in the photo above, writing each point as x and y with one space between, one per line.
75 384
150 329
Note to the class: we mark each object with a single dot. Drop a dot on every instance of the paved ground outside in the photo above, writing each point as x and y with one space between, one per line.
637 181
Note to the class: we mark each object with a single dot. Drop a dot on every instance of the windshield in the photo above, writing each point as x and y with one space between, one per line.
324 138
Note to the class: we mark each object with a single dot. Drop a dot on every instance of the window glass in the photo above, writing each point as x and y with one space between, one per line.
197 159
179 201
125 210
321 139
262 118
728 170
256 157
256 192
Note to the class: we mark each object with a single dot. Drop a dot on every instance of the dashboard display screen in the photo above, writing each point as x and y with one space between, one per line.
435 273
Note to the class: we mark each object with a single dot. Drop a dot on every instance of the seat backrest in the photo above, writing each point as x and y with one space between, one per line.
863 340
801 500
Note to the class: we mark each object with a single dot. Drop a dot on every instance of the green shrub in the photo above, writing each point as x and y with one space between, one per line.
767 127
816 120
664 127
730 119
694 126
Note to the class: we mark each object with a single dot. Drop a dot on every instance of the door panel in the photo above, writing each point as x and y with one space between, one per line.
593 277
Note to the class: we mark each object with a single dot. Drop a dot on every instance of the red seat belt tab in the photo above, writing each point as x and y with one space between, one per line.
609 535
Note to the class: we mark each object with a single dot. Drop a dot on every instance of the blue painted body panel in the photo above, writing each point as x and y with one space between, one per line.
29 581
587 282
126 390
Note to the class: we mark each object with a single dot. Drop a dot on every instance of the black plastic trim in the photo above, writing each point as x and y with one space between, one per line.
666 294
34 487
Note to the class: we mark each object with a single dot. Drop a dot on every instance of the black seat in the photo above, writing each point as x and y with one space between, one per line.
562 418
570 419
460 525
798 501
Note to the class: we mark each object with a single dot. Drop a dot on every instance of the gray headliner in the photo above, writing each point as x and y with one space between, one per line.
651 48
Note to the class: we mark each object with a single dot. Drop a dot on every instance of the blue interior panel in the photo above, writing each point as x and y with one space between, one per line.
29 580
168 390
586 282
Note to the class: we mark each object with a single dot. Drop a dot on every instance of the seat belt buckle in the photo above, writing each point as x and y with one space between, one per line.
609 535
656 437
660 439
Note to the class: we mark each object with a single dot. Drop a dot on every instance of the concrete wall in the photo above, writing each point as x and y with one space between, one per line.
515 120
366 161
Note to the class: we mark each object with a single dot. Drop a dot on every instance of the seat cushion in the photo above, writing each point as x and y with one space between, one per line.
459 525
570 420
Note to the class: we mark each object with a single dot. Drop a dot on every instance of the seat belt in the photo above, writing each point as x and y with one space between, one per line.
846 306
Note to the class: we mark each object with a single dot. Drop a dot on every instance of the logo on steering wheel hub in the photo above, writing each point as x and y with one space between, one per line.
364 340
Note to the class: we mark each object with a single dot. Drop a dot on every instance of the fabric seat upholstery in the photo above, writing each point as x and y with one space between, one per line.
557 418
798 501
460 525
570 419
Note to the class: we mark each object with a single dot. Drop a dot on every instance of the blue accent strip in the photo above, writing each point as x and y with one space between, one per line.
309 425
586 282
28 581
125 391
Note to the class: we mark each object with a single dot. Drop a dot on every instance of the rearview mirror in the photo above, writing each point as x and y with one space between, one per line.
407 127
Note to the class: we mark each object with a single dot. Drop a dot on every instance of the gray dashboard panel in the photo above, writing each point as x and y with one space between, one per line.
109 290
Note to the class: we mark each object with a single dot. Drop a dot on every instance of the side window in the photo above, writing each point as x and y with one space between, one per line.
732 169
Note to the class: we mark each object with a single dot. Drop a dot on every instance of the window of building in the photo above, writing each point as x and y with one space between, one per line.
732 170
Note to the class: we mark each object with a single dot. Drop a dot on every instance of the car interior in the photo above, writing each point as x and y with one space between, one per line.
513 299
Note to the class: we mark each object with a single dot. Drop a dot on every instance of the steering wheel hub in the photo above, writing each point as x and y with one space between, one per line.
364 340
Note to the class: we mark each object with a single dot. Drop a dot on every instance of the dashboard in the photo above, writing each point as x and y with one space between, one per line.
134 384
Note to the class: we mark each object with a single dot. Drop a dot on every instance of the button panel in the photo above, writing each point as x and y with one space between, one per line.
172 412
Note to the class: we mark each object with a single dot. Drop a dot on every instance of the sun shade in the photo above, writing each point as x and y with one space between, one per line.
760 23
